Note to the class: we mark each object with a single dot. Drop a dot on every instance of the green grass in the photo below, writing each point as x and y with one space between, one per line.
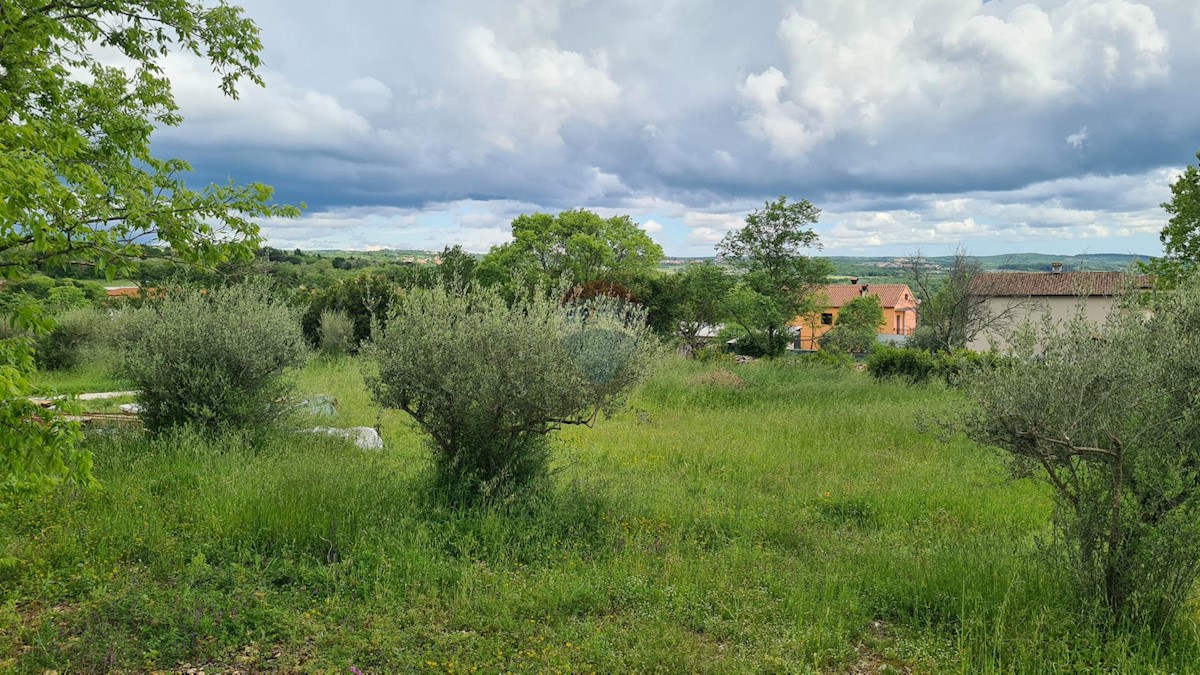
94 375
798 523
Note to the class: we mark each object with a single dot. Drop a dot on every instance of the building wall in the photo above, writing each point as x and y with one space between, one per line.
811 328
1059 308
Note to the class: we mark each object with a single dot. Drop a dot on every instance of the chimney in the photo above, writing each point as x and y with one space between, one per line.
853 280
1056 267
863 291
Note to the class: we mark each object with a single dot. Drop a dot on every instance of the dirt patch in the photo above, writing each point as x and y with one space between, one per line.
718 378
870 660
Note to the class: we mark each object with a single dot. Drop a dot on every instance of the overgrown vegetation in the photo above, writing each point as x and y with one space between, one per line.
1108 416
489 380
796 521
918 366
858 323
75 333
212 358
336 333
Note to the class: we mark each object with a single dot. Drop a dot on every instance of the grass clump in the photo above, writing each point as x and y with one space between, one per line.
336 333
75 332
213 359
719 378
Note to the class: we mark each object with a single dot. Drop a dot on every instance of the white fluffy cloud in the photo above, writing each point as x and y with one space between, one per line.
906 121
531 91
859 67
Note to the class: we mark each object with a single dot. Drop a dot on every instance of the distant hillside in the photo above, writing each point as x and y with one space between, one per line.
1016 262
872 267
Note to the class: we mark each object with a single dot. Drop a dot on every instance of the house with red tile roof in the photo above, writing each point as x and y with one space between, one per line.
899 311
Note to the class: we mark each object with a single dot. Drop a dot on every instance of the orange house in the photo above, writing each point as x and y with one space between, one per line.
899 311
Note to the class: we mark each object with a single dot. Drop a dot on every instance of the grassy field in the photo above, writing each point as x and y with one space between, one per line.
788 519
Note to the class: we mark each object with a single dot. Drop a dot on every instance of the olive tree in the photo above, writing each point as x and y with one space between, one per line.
214 359
1108 416
489 381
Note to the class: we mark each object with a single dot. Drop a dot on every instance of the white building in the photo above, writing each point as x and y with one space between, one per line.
1021 296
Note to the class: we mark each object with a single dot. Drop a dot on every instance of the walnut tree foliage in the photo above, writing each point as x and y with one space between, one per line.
489 380
78 180
1109 415
576 244
1181 235
778 281
858 324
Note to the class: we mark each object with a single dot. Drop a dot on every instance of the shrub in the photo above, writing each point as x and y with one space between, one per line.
714 352
914 365
1108 415
849 340
336 331
959 364
489 382
827 357
366 299
918 365
213 360
73 332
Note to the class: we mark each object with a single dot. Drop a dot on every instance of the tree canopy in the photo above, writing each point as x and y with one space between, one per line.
858 323
78 181
778 280
577 244
1181 235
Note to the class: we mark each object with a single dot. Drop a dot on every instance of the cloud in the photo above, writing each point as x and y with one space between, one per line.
652 227
858 67
1077 139
722 222
705 236
463 114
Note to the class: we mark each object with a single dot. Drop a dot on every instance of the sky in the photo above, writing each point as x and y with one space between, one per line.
1004 126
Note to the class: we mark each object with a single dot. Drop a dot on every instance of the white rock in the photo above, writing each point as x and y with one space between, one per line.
364 437
130 408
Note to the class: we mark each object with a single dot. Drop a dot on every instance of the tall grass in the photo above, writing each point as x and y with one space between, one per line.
797 522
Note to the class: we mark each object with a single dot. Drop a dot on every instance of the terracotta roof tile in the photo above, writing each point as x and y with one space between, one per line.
890 295
1014 284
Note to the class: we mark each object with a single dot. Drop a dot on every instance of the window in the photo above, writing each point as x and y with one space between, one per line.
827 319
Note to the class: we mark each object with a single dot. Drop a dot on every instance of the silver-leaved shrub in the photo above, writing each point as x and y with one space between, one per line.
489 380
214 358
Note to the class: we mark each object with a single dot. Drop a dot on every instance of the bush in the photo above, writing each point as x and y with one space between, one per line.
213 360
849 340
489 382
366 299
73 333
918 365
714 352
914 365
1109 416
954 366
827 358
336 331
